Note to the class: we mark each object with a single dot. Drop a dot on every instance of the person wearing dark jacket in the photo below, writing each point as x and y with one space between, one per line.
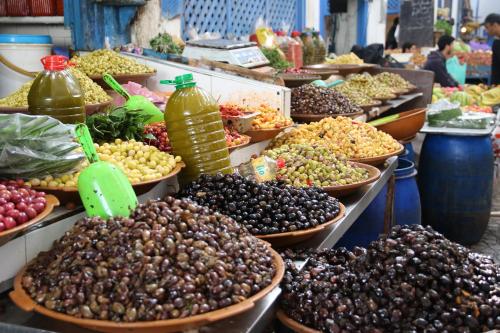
436 62
492 26
391 40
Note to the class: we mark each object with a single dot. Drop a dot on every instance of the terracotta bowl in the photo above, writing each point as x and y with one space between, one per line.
294 325
264 134
378 160
293 237
71 195
23 300
307 118
406 126
345 190
7 235
296 80
343 70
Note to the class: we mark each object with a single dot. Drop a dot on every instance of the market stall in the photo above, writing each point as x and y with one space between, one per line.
299 186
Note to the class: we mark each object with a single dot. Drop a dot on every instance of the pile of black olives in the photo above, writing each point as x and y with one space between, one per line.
263 208
413 280
311 99
170 259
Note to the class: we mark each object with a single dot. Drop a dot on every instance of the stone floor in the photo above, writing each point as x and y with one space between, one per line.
490 244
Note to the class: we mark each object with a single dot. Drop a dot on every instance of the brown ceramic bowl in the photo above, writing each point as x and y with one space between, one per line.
293 237
345 190
294 325
307 118
24 301
264 134
71 195
296 80
123 78
406 126
378 160
8 234
343 70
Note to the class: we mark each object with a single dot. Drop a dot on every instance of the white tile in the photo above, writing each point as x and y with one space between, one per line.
12 258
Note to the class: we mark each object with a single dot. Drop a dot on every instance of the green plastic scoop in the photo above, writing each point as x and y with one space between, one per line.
135 102
323 84
104 189
384 120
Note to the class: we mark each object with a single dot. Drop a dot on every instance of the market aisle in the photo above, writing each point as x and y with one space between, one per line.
490 243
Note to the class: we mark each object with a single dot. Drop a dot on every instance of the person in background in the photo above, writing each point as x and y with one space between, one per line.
391 41
409 48
436 62
492 27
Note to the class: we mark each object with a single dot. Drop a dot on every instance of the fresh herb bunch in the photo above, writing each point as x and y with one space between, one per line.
117 123
275 57
164 43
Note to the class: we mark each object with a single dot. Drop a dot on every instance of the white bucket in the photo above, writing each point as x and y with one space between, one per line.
25 56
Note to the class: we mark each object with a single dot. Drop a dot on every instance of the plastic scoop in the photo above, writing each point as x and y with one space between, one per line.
104 189
136 102
323 84
384 120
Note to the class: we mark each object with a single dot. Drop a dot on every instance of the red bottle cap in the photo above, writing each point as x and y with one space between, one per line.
295 33
54 62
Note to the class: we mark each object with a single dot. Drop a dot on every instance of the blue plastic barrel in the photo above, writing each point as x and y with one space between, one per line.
368 226
406 197
410 153
456 183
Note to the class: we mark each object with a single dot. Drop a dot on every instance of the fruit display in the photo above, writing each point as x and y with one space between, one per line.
92 92
418 59
369 86
36 146
412 280
356 97
269 118
106 61
170 259
311 99
156 135
341 136
139 162
233 110
19 204
312 165
477 108
117 123
265 208
392 80
345 59
234 138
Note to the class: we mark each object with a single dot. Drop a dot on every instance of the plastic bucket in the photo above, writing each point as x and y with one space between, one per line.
24 51
406 197
456 184
369 225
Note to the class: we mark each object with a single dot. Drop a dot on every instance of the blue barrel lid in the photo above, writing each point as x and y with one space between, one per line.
25 39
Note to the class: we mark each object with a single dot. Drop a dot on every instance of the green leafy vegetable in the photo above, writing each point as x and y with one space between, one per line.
164 43
117 123
276 58
445 26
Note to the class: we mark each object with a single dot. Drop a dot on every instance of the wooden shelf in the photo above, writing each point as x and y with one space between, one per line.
32 20
392 104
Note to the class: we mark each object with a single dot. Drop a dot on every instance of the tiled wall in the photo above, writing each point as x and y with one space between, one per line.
61 36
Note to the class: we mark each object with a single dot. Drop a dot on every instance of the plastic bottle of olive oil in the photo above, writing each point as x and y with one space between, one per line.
195 129
56 92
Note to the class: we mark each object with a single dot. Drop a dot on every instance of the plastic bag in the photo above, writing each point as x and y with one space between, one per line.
260 169
456 70
36 146
469 120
